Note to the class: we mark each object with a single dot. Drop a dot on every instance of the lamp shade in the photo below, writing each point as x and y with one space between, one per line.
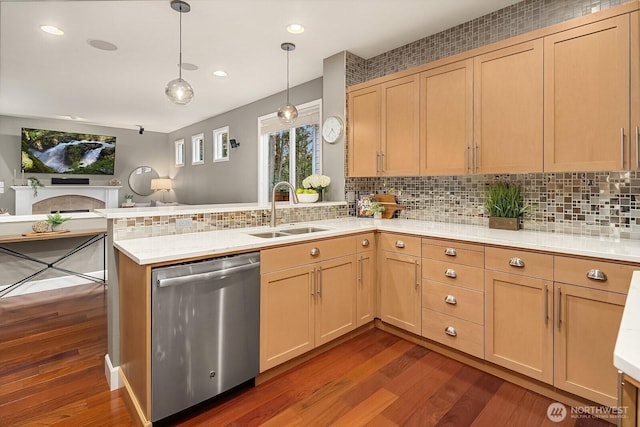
161 184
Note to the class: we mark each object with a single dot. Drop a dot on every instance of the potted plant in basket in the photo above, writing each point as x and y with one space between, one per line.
56 220
504 201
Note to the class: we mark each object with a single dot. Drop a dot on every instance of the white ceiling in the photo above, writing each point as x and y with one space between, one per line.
54 77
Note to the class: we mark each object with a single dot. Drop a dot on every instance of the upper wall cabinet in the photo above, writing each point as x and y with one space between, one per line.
446 119
635 91
587 97
384 129
508 110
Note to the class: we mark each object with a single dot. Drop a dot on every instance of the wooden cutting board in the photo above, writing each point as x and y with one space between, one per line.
389 203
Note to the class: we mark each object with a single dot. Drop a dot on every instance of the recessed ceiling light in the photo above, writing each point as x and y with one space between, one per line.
102 45
295 28
220 73
50 29
189 67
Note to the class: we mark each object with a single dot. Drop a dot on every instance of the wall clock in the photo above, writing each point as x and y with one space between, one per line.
332 129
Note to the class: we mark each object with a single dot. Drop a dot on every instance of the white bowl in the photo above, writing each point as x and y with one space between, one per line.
308 198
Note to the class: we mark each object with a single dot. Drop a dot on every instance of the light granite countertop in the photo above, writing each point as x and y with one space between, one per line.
151 250
626 355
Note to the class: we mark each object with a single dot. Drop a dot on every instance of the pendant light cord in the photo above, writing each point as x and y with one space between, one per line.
287 76
180 54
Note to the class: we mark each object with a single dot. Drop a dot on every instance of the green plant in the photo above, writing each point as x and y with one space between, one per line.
56 218
505 200
34 183
376 207
128 196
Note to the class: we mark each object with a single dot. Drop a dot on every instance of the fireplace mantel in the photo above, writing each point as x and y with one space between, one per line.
25 198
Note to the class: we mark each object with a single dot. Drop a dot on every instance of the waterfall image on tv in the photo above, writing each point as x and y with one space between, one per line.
50 151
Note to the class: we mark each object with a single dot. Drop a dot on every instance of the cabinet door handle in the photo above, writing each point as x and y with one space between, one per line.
637 147
417 273
450 272
360 270
450 299
559 307
546 304
377 163
365 242
516 262
451 331
597 275
466 159
320 281
475 159
399 244
450 252
315 252
621 148
382 163
313 282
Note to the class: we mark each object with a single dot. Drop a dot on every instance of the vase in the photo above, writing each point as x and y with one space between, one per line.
504 223
320 195
55 227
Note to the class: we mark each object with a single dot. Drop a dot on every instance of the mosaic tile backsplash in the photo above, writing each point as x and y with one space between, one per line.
151 226
588 203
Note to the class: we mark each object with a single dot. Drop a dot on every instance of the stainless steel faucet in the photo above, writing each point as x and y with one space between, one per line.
273 199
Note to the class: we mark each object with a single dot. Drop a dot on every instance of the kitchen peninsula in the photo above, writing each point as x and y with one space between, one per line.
533 276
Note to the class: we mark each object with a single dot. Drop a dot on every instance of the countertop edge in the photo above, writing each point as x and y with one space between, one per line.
626 354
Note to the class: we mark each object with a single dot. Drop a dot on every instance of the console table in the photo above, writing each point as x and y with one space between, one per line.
94 235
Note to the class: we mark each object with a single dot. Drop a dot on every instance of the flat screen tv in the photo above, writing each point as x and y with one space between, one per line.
50 151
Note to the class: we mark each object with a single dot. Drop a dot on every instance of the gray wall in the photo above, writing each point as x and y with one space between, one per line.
235 181
334 101
132 150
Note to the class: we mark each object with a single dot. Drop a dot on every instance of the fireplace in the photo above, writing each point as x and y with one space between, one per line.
53 198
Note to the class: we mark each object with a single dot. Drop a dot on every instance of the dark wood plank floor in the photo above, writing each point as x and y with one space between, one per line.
52 348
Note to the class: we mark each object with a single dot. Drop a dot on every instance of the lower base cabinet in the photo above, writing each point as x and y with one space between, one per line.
400 291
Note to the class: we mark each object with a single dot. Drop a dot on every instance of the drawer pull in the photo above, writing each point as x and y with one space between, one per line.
450 252
451 331
399 244
516 262
451 273
365 242
315 252
596 274
450 299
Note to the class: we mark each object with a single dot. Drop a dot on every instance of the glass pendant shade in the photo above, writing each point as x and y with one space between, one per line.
179 91
287 114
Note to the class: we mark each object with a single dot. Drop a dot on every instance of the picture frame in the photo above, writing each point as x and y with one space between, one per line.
363 205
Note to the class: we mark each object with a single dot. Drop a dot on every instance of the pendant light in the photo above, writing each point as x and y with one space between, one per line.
179 91
287 113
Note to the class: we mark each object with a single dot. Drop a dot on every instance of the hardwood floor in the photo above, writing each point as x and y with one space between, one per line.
52 348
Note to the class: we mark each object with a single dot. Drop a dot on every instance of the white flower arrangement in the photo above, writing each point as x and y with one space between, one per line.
317 182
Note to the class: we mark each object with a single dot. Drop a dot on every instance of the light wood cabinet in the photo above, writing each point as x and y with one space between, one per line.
446 119
384 129
518 324
586 97
366 279
587 323
364 131
399 283
508 110
635 92
628 400
305 306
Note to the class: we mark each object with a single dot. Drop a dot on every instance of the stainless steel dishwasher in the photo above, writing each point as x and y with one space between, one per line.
205 330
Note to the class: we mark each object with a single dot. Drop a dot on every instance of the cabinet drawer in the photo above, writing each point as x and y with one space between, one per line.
292 256
458 302
453 252
469 336
400 243
453 274
614 277
520 262
366 242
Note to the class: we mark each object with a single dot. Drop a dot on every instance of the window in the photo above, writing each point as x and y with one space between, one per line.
221 144
179 152
197 149
289 153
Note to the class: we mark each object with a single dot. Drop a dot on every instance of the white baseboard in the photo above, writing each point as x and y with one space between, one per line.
112 374
51 284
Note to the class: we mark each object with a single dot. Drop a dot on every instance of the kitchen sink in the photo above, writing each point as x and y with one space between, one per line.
303 230
286 232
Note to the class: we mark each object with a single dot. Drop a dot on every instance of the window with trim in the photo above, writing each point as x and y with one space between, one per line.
179 152
221 144
197 149
289 152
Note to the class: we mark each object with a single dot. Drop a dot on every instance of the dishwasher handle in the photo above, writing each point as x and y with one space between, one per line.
209 275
